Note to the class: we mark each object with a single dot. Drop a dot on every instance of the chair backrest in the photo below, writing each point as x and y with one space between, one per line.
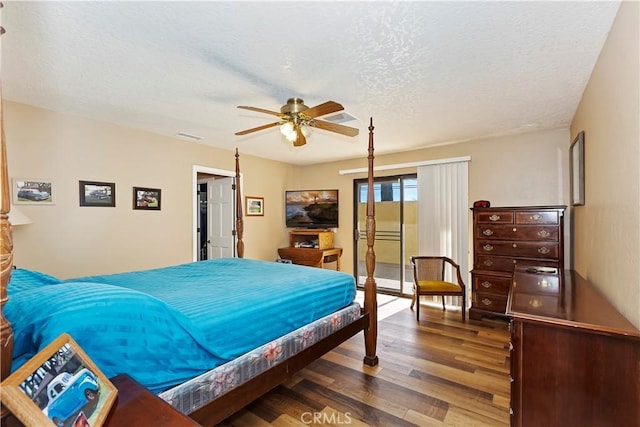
433 268
428 268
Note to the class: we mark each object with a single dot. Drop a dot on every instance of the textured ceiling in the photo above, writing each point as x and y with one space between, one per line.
427 72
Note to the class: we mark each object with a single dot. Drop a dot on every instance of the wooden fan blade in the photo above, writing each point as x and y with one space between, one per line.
261 110
270 125
334 127
322 109
300 139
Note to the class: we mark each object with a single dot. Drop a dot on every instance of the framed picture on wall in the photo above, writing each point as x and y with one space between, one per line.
32 191
146 198
576 158
59 386
94 193
254 206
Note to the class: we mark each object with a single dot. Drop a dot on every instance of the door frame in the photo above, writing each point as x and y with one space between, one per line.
195 204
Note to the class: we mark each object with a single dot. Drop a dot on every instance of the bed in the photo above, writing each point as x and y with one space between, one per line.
245 370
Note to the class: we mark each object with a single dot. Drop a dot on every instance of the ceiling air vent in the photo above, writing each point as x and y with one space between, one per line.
189 136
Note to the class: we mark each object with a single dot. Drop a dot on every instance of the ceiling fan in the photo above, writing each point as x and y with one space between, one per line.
296 119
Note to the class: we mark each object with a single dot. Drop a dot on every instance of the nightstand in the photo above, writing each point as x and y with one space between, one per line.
137 406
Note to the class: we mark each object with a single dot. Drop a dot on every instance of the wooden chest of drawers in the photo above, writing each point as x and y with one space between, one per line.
504 237
575 360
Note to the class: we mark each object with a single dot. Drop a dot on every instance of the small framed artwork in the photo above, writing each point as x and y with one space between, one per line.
59 386
254 206
577 170
32 191
94 193
146 198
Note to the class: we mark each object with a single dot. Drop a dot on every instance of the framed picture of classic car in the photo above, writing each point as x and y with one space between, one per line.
94 193
32 191
59 386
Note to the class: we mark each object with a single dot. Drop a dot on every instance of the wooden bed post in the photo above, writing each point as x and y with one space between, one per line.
370 287
239 222
6 260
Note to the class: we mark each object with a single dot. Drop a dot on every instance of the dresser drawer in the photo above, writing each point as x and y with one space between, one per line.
507 264
496 217
534 217
491 284
537 283
490 302
513 232
494 263
537 304
518 248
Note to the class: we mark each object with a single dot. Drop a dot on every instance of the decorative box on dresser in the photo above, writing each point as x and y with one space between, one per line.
504 237
575 360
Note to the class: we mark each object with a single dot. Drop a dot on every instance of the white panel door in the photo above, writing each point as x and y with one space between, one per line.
220 217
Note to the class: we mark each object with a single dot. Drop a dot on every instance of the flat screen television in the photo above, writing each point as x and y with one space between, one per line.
311 208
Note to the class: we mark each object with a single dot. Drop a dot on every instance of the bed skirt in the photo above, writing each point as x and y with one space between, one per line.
199 391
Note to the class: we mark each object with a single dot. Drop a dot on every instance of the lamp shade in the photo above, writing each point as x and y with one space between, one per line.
16 217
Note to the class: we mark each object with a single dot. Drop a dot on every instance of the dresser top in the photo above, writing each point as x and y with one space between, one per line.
563 297
521 208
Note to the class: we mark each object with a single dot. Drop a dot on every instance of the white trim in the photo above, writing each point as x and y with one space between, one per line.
194 189
407 165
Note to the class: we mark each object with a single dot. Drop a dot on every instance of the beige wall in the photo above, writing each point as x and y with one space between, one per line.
607 227
67 240
525 169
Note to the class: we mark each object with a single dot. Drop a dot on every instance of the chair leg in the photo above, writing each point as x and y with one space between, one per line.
417 308
443 303
464 306
413 300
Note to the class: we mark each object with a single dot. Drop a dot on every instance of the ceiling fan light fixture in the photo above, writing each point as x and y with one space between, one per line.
288 129
306 130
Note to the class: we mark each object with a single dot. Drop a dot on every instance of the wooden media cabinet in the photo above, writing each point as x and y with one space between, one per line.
313 248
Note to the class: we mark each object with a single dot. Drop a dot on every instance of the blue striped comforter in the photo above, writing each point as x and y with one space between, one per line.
170 324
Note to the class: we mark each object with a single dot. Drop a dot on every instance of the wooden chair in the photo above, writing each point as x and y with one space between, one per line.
428 279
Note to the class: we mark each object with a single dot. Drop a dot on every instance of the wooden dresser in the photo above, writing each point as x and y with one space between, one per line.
575 360
504 237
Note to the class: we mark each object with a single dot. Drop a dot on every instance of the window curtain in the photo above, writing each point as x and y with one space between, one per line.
443 218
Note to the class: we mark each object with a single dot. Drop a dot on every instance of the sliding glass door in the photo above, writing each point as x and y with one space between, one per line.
395 200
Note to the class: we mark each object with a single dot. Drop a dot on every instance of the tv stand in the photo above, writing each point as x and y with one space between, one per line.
313 248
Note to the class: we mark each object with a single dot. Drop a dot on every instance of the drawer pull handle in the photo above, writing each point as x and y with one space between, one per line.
515 229
543 233
544 250
510 379
510 411
510 346
488 263
535 217
487 301
488 232
486 284
494 217
487 247
535 303
543 284
515 245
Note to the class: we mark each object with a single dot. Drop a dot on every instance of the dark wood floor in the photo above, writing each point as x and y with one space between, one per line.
440 372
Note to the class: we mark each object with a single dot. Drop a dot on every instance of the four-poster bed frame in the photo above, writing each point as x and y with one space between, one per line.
229 403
